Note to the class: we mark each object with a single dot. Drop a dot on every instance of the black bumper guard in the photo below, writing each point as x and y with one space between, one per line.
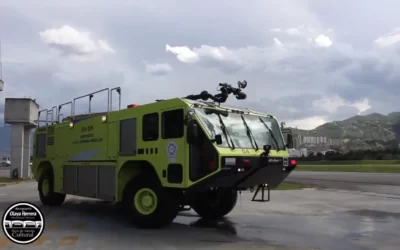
263 163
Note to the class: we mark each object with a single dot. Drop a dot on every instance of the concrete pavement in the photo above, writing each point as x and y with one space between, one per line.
301 219
361 178
381 183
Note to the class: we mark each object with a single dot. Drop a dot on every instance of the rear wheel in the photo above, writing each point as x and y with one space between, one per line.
46 190
148 204
214 204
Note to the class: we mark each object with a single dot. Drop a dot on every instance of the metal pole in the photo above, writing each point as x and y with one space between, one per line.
1 72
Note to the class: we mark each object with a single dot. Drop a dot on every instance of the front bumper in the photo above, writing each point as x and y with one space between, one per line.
248 172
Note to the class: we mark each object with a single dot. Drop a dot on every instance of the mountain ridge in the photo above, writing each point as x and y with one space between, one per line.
360 132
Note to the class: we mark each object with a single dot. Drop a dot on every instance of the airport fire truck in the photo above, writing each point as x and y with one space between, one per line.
156 159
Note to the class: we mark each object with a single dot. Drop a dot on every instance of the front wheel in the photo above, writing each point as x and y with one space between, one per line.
46 190
148 204
214 204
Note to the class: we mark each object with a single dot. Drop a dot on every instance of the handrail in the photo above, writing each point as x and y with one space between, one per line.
59 108
40 111
52 114
56 110
48 113
118 90
90 100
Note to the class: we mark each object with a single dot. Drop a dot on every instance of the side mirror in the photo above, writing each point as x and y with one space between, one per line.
192 132
218 139
289 141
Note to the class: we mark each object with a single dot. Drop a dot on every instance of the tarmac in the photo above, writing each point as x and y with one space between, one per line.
296 219
349 177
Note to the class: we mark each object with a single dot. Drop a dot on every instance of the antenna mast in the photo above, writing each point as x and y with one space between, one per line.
1 72
1 65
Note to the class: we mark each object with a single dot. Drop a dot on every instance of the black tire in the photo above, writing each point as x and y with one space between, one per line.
49 198
214 204
163 212
119 207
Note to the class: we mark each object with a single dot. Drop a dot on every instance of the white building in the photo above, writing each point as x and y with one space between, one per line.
298 152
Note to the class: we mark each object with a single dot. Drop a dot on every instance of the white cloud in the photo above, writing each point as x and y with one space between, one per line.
293 31
158 69
72 42
323 41
278 43
105 46
362 105
307 123
332 103
275 30
209 56
183 53
233 60
290 70
328 103
388 39
302 33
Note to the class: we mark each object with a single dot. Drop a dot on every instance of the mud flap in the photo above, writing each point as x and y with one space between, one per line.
261 187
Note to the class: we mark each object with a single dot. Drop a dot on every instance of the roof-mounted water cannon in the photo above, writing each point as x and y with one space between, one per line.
225 90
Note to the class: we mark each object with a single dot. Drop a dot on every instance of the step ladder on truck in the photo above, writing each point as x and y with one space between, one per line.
154 160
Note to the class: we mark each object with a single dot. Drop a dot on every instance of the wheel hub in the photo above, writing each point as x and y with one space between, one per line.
145 201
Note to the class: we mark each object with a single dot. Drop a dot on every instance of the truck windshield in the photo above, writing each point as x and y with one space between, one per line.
237 130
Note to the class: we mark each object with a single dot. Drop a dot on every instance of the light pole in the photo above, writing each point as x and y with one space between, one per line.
1 72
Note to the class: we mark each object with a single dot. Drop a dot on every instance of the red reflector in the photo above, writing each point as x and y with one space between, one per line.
133 106
293 162
212 164
246 162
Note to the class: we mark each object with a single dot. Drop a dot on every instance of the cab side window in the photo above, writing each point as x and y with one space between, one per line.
150 127
172 124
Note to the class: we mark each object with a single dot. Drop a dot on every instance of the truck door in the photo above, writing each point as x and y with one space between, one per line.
172 145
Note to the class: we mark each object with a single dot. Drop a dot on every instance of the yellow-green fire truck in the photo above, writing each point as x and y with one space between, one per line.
155 159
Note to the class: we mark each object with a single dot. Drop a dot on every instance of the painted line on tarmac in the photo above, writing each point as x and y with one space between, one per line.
43 239
68 241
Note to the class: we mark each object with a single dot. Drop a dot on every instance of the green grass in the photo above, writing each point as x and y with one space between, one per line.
351 162
290 186
9 180
350 168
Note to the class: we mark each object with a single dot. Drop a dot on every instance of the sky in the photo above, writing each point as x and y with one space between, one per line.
306 61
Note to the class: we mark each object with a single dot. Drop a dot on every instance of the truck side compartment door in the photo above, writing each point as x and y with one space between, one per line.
172 145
